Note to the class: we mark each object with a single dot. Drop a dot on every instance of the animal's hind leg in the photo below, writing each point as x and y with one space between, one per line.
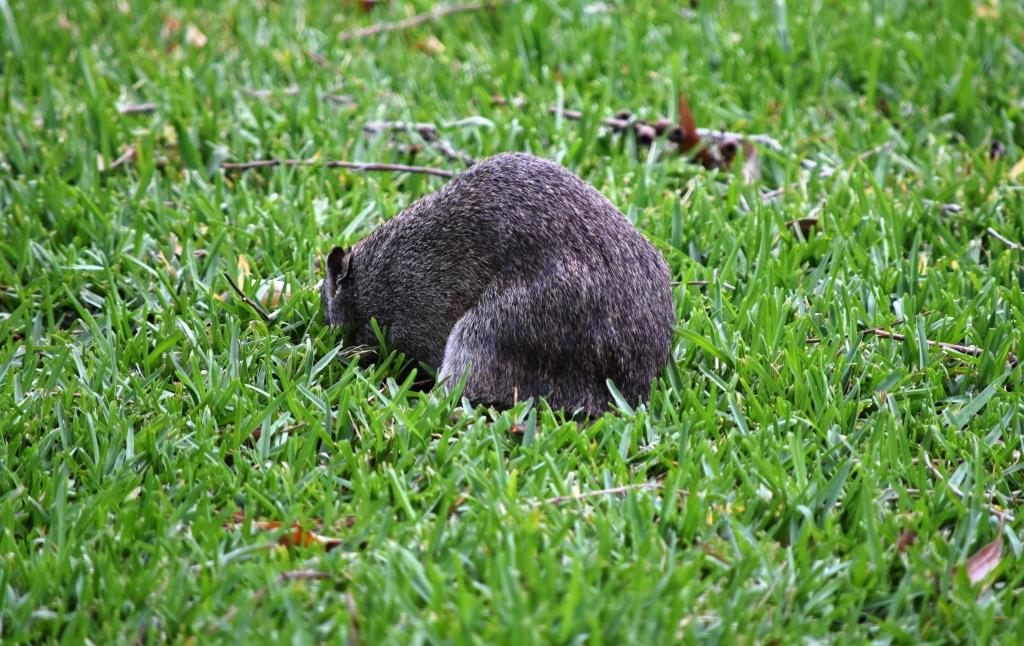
511 355
472 346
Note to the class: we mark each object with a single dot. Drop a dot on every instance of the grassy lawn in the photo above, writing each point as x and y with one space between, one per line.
803 477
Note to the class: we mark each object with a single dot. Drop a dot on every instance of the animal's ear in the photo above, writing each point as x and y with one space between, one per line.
337 263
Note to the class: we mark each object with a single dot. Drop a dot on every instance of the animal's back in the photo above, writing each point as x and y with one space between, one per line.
533 268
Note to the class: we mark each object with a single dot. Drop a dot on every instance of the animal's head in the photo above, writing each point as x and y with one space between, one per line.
337 291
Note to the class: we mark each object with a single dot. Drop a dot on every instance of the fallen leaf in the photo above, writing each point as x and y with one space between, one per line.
171 25
431 45
1017 169
803 225
718 155
273 293
67 25
195 38
171 270
922 263
243 270
984 560
905 540
751 164
299 537
294 536
988 10
688 124
463 497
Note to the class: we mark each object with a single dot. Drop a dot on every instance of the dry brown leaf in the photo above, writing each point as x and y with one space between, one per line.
463 497
905 540
710 155
988 10
1017 169
803 225
688 124
431 45
66 25
170 27
984 560
751 164
299 537
294 536
171 270
243 270
273 293
195 38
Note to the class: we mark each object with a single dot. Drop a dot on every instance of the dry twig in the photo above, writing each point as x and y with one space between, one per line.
317 58
428 131
622 122
971 350
1006 241
291 90
1001 514
137 108
350 603
127 156
302 575
614 491
337 163
248 301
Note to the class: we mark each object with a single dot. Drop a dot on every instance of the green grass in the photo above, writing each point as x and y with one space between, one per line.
130 391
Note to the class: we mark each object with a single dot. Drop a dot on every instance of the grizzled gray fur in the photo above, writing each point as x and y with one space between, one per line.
520 272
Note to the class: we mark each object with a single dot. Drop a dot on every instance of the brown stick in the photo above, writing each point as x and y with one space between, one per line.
1006 241
127 156
302 575
248 301
999 513
137 108
418 19
971 350
291 90
614 491
353 615
430 133
317 58
337 163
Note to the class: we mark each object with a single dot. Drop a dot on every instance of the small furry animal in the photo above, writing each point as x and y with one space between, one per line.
521 273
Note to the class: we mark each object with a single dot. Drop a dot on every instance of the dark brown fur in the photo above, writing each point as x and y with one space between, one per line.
521 272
